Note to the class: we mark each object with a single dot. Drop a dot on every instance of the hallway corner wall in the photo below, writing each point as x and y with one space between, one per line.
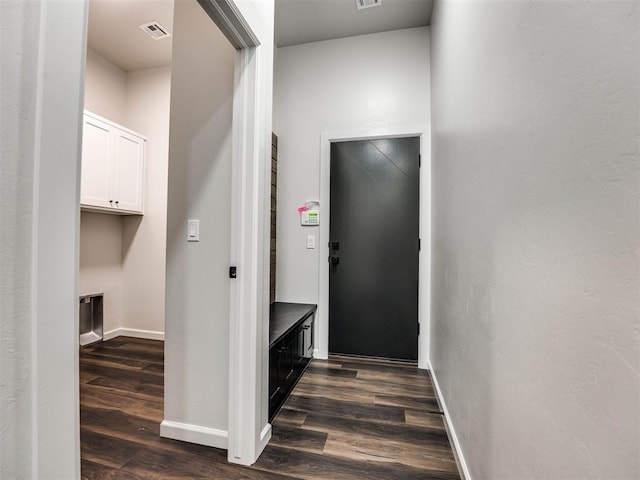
535 326
144 238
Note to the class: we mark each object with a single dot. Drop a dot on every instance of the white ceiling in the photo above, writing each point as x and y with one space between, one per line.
304 21
114 29
114 32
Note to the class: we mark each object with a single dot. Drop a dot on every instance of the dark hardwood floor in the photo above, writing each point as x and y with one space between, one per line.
347 419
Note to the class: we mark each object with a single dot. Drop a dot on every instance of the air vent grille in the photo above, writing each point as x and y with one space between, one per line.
362 4
155 30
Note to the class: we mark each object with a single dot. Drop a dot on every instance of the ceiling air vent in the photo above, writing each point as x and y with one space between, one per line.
155 30
361 4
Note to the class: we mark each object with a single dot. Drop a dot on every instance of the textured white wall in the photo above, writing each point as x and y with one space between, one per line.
144 238
197 283
358 83
42 53
535 339
16 214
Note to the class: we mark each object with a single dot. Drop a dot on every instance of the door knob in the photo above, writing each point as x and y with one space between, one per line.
334 260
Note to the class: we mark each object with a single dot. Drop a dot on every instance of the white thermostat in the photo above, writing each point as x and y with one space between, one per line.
310 218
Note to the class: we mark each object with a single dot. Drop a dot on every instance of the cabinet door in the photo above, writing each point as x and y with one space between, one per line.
274 372
301 331
97 168
129 170
289 363
308 339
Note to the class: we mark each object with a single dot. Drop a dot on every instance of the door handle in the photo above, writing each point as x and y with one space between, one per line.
334 260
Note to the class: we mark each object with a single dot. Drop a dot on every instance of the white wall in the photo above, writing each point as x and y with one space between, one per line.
105 88
101 234
42 52
101 263
144 238
367 82
536 333
197 283
124 257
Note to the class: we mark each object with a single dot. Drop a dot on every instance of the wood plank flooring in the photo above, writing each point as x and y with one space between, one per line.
346 419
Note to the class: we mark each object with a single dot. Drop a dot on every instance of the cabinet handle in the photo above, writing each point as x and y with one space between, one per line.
117 202
110 201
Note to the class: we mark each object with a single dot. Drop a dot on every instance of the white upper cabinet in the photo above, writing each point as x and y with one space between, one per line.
96 183
128 187
113 162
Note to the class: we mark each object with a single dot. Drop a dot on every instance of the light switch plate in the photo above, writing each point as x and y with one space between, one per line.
311 242
193 230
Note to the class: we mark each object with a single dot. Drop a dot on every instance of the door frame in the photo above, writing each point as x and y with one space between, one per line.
423 132
248 428
50 144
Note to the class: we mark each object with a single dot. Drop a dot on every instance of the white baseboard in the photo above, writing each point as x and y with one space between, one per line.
185 432
457 449
316 354
133 332
265 436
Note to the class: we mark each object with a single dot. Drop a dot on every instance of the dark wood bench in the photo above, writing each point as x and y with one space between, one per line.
290 349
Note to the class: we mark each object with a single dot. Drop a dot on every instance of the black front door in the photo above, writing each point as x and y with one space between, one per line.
373 263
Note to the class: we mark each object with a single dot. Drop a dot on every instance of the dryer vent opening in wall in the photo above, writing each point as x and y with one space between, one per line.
155 30
361 4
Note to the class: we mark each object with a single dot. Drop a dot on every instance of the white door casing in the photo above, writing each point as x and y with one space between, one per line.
322 315
249 27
